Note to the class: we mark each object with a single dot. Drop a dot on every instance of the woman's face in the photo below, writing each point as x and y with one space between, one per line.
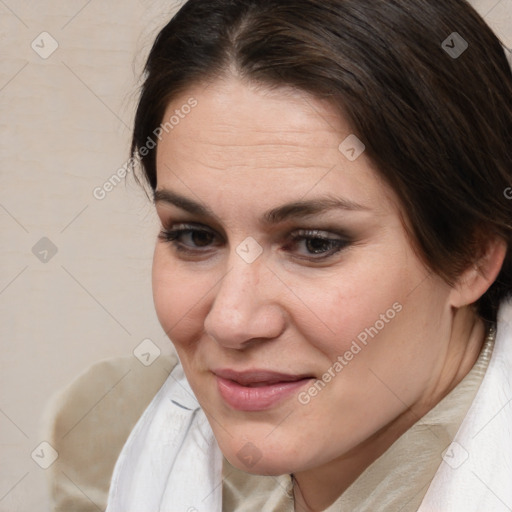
303 318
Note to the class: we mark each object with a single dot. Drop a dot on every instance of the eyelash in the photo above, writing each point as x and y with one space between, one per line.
174 235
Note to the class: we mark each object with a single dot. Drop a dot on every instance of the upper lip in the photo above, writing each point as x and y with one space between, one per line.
257 376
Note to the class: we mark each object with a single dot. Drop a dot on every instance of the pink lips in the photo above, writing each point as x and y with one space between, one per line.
257 390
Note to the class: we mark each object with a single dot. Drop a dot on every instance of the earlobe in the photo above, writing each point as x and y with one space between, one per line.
479 276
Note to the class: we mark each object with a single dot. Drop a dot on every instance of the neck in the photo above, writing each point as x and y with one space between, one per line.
317 488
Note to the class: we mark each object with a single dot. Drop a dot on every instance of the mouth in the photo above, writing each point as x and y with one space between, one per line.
258 390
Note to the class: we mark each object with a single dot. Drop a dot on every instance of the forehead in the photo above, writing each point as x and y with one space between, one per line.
254 140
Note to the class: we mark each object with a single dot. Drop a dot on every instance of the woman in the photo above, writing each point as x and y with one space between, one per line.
330 178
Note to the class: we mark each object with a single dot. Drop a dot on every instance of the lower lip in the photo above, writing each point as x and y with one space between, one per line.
259 398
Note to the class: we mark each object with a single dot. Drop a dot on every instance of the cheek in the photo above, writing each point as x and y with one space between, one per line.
390 341
347 307
177 297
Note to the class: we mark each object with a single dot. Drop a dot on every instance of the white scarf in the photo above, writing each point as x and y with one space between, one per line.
171 462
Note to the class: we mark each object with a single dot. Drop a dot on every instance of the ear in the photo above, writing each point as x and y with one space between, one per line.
479 276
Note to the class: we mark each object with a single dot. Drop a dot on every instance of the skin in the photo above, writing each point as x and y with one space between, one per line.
242 151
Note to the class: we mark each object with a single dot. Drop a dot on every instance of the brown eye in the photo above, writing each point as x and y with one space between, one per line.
316 244
189 238
201 238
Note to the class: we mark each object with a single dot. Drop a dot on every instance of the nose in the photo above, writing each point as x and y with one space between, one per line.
245 307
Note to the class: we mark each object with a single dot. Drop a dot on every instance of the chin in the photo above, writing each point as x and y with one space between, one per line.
264 467
270 460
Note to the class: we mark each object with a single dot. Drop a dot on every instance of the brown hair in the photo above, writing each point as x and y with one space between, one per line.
436 123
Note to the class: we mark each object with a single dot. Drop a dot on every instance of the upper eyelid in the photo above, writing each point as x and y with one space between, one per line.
289 226
296 232
174 223
186 226
318 233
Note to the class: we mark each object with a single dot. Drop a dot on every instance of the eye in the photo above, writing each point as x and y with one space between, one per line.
316 244
189 238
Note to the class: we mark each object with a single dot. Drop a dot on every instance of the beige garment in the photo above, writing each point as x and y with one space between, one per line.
88 423
396 482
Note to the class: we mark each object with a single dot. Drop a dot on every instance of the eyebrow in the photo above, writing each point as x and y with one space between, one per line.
295 209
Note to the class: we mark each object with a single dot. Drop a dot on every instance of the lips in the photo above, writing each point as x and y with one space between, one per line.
257 390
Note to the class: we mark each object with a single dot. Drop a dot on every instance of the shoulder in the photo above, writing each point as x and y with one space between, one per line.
88 422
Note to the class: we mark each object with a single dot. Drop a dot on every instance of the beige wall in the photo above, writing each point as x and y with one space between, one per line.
65 126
